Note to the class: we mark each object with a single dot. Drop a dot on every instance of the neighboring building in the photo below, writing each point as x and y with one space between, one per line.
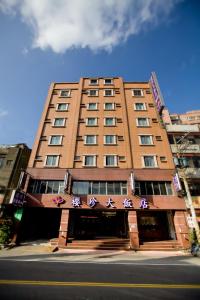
13 159
101 166
189 118
184 137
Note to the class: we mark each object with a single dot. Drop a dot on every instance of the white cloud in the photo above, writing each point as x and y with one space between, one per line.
97 24
3 113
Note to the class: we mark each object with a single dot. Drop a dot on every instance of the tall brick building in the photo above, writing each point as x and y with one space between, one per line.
102 168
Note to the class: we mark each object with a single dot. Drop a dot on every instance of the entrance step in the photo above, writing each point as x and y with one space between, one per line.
169 245
103 244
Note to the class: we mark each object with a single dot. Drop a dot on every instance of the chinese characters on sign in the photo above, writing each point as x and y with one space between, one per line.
143 203
76 202
17 198
92 202
127 203
110 203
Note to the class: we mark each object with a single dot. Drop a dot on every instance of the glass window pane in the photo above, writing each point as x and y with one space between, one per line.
102 188
143 188
169 188
149 161
95 188
149 188
163 188
156 188
145 139
142 122
80 187
117 188
110 188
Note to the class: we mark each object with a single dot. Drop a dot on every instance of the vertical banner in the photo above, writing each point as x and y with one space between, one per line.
177 183
132 183
157 95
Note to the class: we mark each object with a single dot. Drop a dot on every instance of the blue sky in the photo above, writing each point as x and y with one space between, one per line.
127 38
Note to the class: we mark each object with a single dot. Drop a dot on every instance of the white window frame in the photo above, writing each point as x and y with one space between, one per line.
144 106
65 90
54 120
97 81
155 161
138 125
85 139
114 142
96 104
114 121
66 104
115 160
60 142
110 83
112 93
95 160
57 160
142 92
96 121
151 139
96 93
113 106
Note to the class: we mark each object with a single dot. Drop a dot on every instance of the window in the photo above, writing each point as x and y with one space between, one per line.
146 140
108 81
93 93
90 139
110 160
99 187
149 161
140 106
153 188
51 160
91 121
109 121
59 122
92 106
55 140
109 139
137 93
109 106
142 122
108 92
93 81
62 106
89 160
65 93
46 187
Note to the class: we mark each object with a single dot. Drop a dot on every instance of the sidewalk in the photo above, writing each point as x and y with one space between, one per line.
43 251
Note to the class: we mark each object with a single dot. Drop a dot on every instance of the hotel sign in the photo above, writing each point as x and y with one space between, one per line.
158 98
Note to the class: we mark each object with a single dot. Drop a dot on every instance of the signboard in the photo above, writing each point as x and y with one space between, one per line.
17 198
158 98
176 183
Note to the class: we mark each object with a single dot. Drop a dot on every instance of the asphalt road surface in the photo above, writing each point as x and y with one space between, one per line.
27 280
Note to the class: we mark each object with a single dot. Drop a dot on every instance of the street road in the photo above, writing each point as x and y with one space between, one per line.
55 280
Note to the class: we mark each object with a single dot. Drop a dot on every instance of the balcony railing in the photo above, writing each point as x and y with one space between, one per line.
182 128
192 148
192 172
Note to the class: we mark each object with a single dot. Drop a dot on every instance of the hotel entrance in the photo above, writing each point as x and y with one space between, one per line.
154 226
95 224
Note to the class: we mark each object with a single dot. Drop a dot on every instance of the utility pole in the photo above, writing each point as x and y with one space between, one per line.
184 178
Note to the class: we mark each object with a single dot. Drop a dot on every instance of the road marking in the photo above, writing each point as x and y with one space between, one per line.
101 284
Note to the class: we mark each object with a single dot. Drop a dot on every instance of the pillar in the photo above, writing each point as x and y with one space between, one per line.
62 239
181 229
133 230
